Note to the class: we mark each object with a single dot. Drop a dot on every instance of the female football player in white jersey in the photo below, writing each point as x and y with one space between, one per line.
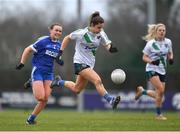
45 51
157 52
87 42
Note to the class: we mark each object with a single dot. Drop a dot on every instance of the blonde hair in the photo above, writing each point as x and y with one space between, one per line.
152 29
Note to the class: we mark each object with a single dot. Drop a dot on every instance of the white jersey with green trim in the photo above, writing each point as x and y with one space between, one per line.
158 50
87 44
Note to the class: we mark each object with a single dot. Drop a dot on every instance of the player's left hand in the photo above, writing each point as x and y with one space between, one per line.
19 66
113 49
171 61
155 62
59 58
59 55
60 62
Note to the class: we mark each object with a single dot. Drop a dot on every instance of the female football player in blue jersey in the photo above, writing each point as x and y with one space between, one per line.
45 51
157 52
87 42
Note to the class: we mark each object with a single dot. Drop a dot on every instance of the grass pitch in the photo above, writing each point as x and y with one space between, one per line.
54 120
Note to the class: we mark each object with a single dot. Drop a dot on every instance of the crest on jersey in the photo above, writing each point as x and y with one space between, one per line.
54 46
98 37
166 45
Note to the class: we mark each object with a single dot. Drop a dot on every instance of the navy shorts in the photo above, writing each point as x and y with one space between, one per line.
79 67
150 74
38 74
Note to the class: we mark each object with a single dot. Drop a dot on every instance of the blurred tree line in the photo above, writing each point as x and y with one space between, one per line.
125 26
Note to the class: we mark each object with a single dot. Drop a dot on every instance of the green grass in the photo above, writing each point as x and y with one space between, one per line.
54 120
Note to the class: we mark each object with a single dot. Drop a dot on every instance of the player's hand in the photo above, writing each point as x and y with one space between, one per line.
19 66
59 55
60 62
171 61
113 49
59 58
156 62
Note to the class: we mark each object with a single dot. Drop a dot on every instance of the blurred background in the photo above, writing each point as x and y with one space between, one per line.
22 22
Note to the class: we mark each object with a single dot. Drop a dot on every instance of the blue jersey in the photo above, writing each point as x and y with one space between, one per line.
46 50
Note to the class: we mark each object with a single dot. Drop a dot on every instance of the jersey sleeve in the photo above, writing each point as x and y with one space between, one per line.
170 46
105 40
146 49
37 45
76 34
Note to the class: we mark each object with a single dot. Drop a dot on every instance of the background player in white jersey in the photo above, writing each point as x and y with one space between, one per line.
45 50
157 52
87 42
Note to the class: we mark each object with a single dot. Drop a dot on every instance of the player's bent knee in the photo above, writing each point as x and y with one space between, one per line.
45 101
98 82
40 98
77 91
161 91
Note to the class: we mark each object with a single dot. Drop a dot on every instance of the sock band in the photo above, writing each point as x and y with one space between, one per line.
31 117
108 97
158 110
61 83
144 92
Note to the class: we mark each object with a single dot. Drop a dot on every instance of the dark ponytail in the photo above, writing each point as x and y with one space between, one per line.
95 14
95 19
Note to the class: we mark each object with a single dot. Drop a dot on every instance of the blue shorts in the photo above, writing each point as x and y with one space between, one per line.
38 74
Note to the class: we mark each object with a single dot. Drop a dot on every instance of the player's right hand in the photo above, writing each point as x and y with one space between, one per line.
155 62
19 66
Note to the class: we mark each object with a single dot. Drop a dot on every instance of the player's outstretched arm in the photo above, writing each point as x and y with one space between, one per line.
170 58
24 57
111 48
65 42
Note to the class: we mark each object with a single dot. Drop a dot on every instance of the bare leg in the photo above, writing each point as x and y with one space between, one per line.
151 93
89 74
39 94
77 87
141 91
41 91
160 87
94 78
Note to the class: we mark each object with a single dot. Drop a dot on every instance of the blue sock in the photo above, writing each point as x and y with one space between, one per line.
144 92
158 110
61 83
108 97
31 118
